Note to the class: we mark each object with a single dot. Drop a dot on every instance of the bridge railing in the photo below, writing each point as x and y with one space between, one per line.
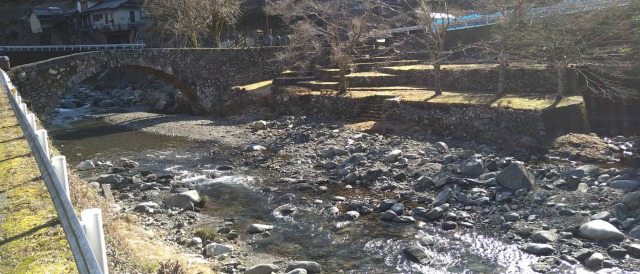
72 47
86 239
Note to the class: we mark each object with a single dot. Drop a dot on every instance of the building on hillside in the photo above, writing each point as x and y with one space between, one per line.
43 19
118 20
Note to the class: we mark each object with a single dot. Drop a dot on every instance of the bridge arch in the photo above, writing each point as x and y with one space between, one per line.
202 75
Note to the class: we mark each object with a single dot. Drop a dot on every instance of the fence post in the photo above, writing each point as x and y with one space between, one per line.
23 108
31 119
60 166
92 221
42 139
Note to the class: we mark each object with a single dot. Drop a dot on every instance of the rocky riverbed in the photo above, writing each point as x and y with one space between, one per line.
420 196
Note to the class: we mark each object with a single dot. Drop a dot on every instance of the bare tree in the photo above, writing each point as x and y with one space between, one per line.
600 43
507 33
183 23
432 17
326 28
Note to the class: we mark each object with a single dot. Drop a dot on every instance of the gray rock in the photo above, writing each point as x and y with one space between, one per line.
635 232
387 204
601 216
259 125
397 208
259 228
511 217
634 250
141 207
443 197
393 156
309 266
184 200
472 167
600 230
262 269
351 178
544 236
625 185
435 214
126 163
388 215
349 216
538 249
594 261
449 225
215 249
298 271
417 254
86 165
253 147
111 179
441 146
632 200
404 219
590 170
516 176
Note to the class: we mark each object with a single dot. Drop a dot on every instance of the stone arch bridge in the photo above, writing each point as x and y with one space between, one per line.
203 75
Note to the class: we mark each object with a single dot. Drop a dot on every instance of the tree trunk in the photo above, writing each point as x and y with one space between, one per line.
342 85
562 78
502 78
436 79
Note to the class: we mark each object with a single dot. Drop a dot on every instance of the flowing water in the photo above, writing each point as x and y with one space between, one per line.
364 246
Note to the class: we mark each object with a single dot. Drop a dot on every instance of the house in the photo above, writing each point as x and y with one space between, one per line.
118 20
43 19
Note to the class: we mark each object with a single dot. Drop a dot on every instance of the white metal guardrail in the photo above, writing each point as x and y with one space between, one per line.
85 238
72 47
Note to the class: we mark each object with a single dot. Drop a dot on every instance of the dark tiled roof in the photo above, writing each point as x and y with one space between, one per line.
47 11
114 4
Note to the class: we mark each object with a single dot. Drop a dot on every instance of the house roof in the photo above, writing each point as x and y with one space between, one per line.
113 4
50 11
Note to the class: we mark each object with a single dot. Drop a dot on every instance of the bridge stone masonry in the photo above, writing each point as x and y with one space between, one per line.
202 75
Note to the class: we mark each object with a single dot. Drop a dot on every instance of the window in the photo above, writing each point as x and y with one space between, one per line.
97 17
132 16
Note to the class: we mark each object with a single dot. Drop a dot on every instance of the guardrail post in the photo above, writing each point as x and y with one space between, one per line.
18 100
60 166
23 108
31 119
92 222
42 139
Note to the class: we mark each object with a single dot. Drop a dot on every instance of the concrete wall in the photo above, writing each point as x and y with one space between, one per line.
203 75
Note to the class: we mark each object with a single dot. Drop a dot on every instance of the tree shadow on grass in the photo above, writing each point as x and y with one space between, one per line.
15 157
50 223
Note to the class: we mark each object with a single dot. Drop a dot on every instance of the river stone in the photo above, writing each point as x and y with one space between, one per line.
616 252
435 213
111 179
388 215
262 269
625 185
635 232
259 228
472 167
632 200
349 216
126 163
141 207
544 236
259 125
309 266
215 249
449 225
417 254
184 200
601 216
634 250
538 249
386 204
393 156
351 178
86 165
594 261
443 197
404 220
600 230
252 148
397 208
298 271
515 177
441 146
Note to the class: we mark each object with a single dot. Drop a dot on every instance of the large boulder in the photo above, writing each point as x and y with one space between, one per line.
184 200
515 177
625 185
600 230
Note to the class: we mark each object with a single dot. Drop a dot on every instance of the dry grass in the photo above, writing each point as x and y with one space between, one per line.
256 86
579 147
368 74
423 67
519 101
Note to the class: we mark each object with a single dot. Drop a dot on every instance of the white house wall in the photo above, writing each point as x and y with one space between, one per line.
35 23
119 17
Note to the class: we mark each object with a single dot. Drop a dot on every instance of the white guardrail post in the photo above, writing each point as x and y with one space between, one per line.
85 241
